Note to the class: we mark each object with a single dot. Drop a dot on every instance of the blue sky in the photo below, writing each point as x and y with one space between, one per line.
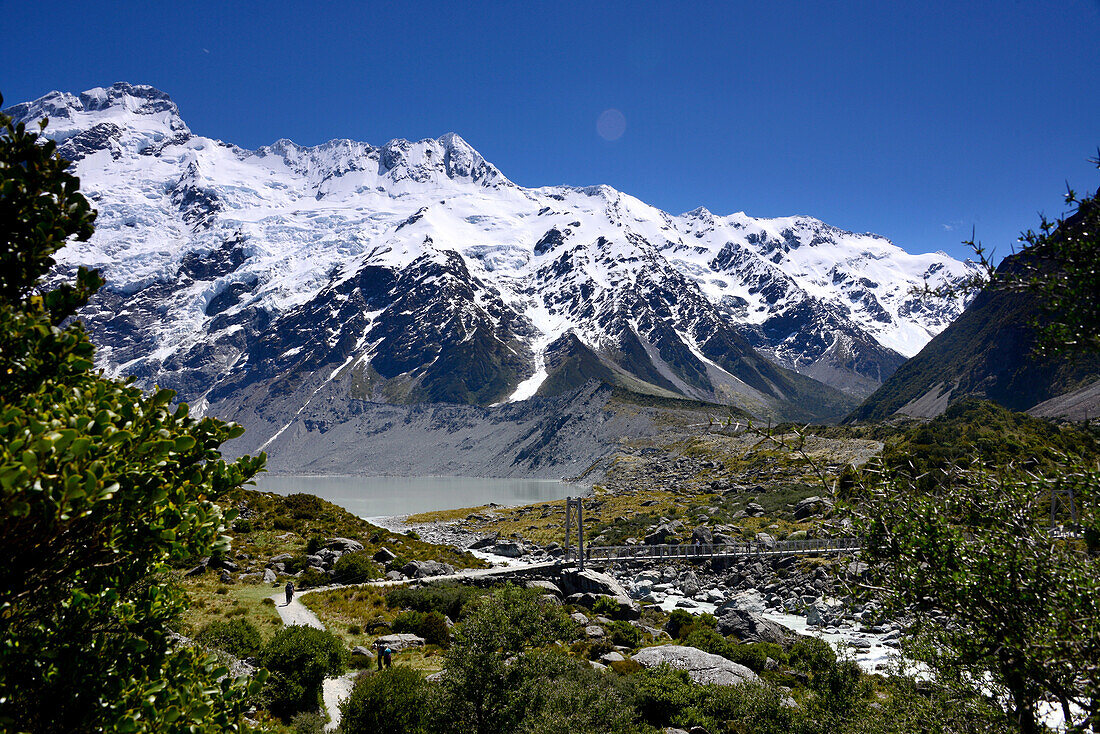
918 121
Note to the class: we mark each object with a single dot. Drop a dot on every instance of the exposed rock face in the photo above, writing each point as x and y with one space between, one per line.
703 667
417 272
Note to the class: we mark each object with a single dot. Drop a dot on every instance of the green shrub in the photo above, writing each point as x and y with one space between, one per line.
432 626
353 568
606 606
393 700
709 640
238 637
304 506
309 722
311 578
624 634
810 654
314 544
448 599
755 655
279 522
678 620
299 658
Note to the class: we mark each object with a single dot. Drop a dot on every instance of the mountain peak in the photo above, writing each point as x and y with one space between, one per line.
449 154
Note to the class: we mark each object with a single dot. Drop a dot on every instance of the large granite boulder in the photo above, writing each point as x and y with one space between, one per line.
812 506
344 545
400 641
703 667
425 569
749 627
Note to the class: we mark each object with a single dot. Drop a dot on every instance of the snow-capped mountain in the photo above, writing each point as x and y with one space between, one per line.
416 271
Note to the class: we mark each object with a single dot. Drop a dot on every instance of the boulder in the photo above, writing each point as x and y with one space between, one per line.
400 641
749 627
812 506
507 548
548 587
703 534
269 576
594 631
595 582
753 509
579 618
384 555
425 569
659 536
702 667
344 545
765 540
281 557
612 657
363 652
484 541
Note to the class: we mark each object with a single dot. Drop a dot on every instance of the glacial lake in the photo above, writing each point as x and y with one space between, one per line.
381 496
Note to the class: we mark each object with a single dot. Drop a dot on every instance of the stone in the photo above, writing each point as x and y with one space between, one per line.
612 657
269 576
753 509
812 506
814 616
400 641
394 576
426 569
281 557
594 631
765 540
703 534
702 667
344 545
798 535
686 604
579 618
590 581
384 555
507 548
659 536
548 587
485 541
750 627
364 652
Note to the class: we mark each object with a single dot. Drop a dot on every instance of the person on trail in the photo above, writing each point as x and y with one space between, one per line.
378 646
289 593
388 656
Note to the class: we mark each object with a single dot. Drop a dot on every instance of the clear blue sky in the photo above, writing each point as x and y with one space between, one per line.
913 120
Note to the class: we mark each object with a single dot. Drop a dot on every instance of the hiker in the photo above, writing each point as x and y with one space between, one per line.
289 593
378 646
388 655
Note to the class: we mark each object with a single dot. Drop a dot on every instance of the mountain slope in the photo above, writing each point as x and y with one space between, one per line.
985 353
416 271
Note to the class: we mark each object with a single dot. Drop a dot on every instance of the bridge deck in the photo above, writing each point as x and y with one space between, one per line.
611 554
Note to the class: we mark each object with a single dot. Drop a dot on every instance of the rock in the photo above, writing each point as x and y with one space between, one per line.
549 587
384 555
225 577
425 569
798 535
269 576
814 616
484 541
612 657
315 560
507 548
436 677
672 730
765 540
394 576
197 570
703 667
281 557
703 534
660 535
750 627
579 618
595 582
594 631
686 604
400 641
344 545
360 650
812 506
752 509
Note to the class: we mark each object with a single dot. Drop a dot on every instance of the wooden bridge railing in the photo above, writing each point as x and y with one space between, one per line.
596 554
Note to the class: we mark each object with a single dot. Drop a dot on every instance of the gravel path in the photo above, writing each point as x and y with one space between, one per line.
333 690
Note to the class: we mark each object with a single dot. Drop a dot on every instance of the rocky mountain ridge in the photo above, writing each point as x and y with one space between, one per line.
416 271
